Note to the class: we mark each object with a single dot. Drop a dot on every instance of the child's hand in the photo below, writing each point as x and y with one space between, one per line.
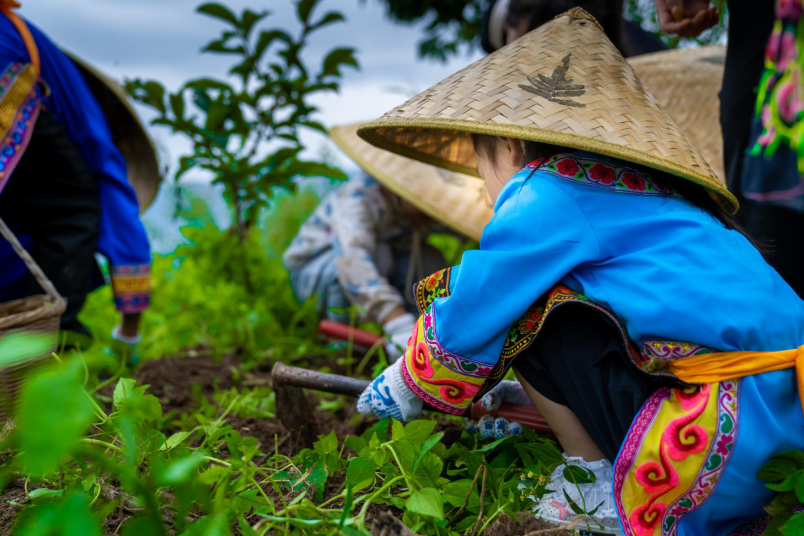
389 396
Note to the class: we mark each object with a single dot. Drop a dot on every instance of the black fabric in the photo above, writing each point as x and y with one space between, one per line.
578 361
53 197
750 25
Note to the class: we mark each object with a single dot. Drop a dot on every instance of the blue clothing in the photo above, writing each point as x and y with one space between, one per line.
122 238
669 272
663 266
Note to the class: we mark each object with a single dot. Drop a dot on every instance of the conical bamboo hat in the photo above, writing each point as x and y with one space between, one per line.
690 100
454 199
128 132
563 83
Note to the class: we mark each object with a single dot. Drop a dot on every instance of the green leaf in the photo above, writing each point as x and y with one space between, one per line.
174 441
45 493
545 452
179 471
360 469
397 430
455 493
348 502
218 11
268 37
17 347
329 18
426 502
335 59
53 412
304 8
429 470
208 83
69 515
418 431
131 399
177 105
250 18
578 475
794 526
428 444
355 443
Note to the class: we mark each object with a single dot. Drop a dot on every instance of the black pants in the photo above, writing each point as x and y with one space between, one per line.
53 197
750 25
578 361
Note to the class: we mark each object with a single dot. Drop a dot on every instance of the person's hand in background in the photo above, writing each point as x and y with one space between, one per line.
686 18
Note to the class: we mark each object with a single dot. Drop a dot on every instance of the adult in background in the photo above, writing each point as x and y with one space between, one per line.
64 186
761 214
507 20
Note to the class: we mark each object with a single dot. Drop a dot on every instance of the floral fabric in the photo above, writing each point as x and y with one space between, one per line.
355 220
774 168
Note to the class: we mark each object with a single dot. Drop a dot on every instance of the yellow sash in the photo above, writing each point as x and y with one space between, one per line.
721 366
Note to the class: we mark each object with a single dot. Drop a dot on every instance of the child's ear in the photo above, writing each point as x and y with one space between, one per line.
514 152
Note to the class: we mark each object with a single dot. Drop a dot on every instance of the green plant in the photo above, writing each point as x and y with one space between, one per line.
245 130
83 463
785 474
450 26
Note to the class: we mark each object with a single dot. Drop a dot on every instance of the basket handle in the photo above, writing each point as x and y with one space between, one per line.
37 272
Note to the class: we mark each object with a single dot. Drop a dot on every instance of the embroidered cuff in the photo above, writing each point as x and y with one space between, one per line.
131 285
436 384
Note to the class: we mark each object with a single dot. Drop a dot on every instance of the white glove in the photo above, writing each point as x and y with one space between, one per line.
389 396
397 332
505 391
491 427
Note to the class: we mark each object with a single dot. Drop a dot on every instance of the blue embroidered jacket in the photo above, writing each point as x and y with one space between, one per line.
122 239
614 237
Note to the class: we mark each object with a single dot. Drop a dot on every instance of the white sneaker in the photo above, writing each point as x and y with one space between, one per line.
553 506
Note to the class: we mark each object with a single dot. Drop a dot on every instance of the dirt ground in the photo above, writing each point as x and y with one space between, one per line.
178 382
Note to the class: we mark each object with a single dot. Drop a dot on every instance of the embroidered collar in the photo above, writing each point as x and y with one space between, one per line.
599 172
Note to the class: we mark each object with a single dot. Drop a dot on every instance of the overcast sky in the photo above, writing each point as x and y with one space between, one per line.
161 39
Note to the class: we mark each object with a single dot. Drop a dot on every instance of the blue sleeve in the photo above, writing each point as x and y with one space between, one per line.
122 236
536 237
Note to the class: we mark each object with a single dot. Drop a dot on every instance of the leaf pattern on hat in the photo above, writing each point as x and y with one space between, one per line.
557 87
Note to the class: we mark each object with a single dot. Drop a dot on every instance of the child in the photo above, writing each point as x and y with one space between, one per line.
644 326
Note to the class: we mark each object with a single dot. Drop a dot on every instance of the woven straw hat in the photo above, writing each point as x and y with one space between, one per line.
128 132
563 83
454 199
686 82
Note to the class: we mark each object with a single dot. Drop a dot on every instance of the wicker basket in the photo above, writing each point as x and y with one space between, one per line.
35 314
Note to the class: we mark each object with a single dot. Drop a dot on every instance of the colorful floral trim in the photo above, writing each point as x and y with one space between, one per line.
131 285
601 174
435 286
657 353
675 453
436 384
19 108
520 336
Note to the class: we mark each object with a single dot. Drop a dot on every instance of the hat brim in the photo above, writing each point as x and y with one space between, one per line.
128 132
458 201
372 133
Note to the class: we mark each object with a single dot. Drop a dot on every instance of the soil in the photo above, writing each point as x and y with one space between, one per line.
179 381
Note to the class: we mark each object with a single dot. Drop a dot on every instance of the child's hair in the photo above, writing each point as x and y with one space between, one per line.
694 194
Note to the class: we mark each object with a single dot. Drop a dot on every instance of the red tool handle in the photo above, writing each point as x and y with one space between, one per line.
336 330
